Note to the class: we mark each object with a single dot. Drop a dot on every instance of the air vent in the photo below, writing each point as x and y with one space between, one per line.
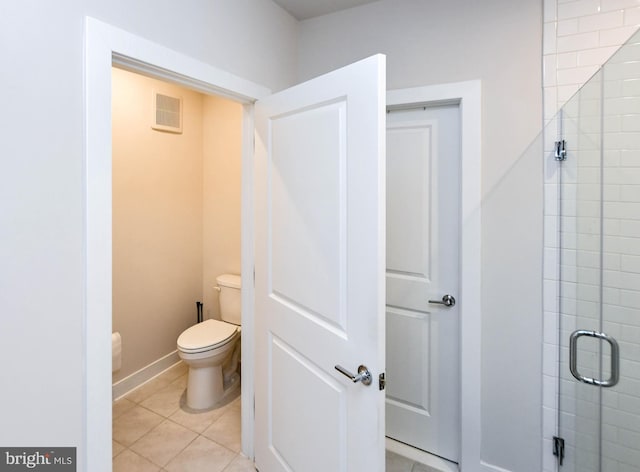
167 113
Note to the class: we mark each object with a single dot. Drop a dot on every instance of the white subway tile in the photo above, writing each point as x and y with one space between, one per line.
549 70
567 27
565 92
631 52
612 279
578 8
628 438
611 296
569 257
629 158
600 21
595 57
621 106
632 16
551 200
577 75
549 38
611 158
608 5
630 193
550 327
631 123
550 359
630 263
631 87
612 124
613 88
630 299
549 461
611 261
567 60
579 42
617 36
549 9
622 70
550 301
610 193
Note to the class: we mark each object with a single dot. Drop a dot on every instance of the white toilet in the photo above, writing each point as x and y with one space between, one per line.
211 349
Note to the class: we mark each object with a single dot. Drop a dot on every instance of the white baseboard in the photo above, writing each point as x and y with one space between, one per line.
133 381
422 457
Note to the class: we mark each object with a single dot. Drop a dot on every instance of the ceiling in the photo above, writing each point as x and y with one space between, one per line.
305 9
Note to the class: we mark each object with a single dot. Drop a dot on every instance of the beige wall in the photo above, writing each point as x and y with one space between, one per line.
222 147
176 214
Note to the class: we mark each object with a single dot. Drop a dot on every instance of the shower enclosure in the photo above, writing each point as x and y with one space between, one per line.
597 171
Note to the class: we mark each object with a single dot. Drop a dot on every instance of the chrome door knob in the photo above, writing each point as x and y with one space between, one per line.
363 375
447 300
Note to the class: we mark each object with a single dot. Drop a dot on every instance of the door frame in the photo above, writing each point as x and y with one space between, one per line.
467 95
105 46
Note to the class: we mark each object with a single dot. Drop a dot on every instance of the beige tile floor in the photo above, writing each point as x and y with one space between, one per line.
154 431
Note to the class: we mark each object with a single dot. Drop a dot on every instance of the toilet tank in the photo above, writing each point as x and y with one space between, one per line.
229 285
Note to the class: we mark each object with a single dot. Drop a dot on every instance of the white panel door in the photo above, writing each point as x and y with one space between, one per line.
319 279
423 174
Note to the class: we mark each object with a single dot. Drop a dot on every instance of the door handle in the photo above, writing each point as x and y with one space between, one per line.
363 376
447 300
615 358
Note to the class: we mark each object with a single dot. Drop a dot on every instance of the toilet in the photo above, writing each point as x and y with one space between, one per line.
211 349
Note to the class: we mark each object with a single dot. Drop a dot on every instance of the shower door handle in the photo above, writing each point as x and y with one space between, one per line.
615 358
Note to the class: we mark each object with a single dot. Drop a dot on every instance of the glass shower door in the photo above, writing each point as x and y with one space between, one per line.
599 295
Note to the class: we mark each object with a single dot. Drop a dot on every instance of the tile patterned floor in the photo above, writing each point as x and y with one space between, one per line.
398 463
154 431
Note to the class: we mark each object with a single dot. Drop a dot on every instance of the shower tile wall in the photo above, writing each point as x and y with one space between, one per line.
578 37
621 249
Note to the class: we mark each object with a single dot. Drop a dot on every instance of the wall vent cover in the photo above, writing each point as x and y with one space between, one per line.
167 113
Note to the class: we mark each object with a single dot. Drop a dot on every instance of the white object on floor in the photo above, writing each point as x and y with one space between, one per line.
116 351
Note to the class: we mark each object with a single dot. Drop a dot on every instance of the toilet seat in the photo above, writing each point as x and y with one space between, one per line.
206 336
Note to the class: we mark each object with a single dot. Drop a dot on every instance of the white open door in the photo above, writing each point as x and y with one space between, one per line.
319 275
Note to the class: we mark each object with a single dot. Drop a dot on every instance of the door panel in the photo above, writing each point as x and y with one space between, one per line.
423 169
319 277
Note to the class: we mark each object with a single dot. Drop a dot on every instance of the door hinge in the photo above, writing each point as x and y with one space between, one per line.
561 150
382 381
558 449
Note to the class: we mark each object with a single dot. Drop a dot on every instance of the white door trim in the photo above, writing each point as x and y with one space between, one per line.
468 95
106 45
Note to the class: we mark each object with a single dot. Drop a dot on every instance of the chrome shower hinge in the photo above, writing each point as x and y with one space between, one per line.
561 150
558 449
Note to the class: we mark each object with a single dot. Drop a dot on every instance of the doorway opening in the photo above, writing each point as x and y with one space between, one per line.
423 272
176 228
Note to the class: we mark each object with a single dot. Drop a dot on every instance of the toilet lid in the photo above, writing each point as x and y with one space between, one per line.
206 336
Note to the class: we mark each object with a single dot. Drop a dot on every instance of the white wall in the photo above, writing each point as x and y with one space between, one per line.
499 42
41 181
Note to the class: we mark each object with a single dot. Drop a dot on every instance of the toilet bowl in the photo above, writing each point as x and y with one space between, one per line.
211 349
